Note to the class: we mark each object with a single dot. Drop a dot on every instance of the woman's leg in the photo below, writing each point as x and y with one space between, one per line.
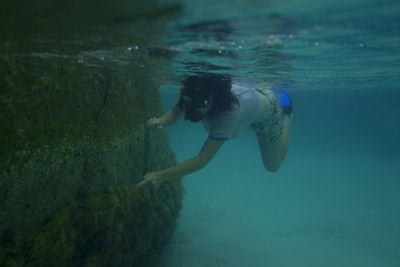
287 121
273 154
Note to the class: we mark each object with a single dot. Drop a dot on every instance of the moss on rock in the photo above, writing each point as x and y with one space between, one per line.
121 227
73 147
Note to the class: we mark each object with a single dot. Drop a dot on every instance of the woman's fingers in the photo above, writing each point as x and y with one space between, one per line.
154 122
148 178
145 181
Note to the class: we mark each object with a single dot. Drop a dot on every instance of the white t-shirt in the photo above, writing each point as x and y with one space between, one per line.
233 123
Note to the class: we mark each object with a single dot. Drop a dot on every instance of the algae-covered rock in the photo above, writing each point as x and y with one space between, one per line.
73 146
53 244
123 226
74 97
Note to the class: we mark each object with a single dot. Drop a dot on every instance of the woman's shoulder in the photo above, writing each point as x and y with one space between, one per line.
239 89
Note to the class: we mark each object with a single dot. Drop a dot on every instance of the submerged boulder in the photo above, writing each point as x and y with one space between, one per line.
73 146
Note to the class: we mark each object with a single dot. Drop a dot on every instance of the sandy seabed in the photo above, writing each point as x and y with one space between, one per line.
329 205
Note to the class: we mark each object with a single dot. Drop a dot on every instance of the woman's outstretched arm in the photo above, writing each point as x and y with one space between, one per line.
168 119
207 152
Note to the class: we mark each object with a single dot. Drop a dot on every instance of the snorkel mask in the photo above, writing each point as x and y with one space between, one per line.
195 108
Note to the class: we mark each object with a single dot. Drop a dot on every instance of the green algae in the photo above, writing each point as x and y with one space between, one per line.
118 227
73 138
74 145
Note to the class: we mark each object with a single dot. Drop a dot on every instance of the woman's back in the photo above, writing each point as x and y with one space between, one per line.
232 123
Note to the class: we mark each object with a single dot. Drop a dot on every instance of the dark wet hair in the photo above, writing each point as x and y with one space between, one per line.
215 88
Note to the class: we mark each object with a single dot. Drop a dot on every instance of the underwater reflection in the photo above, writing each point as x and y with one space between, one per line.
251 47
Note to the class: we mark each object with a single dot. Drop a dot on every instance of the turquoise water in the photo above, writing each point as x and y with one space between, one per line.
335 200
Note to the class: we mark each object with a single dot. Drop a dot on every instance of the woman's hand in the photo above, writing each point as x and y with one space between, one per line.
156 178
154 122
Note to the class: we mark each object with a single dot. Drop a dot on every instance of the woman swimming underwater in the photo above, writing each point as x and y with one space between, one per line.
227 110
